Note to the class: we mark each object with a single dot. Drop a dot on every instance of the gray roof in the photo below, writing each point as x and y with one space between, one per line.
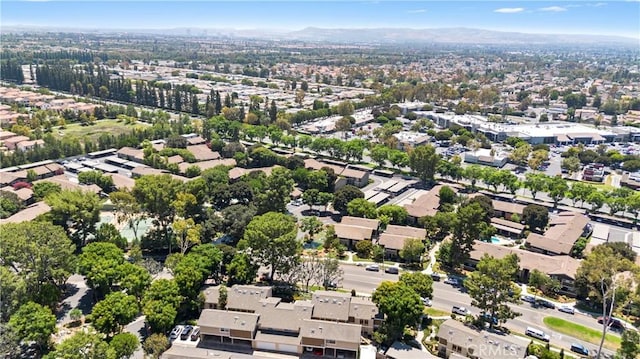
487 345
320 329
246 297
215 318
408 232
331 305
403 351
362 308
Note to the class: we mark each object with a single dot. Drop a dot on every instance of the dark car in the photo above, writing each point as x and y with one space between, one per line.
580 349
545 304
186 332
436 277
195 334
391 270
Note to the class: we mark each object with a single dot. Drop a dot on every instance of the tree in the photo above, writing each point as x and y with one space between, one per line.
114 311
76 211
360 207
311 197
275 194
557 188
379 154
127 209
596 199
535 182
344 195
160 304
630 345
579 192
421 283
329 272
271 241
33 323
543 282
536 216
364 248
401 307
107 232
82 345
520 154
571 165
599 277
345 108
98 178
155 345
42 189
470 226
396 214
134 279
124 345
473 173
343 125
490 287
10 204
186 232
311 225
537 158
446 195
412 250
100 264
38 257
423 161
241 270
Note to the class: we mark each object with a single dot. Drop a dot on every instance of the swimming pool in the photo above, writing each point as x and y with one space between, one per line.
495 240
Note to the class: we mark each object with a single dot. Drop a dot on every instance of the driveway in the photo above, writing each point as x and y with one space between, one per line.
77 295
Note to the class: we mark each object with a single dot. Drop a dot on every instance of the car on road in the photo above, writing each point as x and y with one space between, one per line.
330 284
528 298
186 332
372 268
453 281
538 334
567 309
490 319
580 349
459 310
195 334
544 303
436 277
613 323
426 301
175 333
391 270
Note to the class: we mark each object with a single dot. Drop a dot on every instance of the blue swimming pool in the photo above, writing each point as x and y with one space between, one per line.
495 240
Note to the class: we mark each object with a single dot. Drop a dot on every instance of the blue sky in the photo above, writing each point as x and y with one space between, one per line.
573 17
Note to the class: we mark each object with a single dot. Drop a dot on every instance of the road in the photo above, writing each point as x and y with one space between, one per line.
446 296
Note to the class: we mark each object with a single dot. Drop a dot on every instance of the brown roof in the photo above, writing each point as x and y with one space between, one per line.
411 232
175 159
392 241
131 152
65 183
361 222
122 181
16 139
353 232
552 265
508 207
214 318
9 177
565 230
203 153
195 140
427 204
28 214
205 165
331 305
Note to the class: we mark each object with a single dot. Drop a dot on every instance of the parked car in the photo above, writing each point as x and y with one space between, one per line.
426 301
567 309
580 349
391 270
373 268
528 298
186 332
330 284
545 304
453 281
195 334
459 310
490 319
175 333
436 277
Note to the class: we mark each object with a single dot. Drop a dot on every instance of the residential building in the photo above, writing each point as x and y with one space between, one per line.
564 230
351 230
455 339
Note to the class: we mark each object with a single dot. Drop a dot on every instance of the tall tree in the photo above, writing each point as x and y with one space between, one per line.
401 307
345 195
490 287
82 345
421 283
117 309
536 216
423 161
124 345
77 212
412 250
271 241
100 264
360 207
33 323
535 182
186 232
470 226
128 210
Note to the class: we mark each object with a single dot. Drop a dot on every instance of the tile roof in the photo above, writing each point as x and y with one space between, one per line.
361 222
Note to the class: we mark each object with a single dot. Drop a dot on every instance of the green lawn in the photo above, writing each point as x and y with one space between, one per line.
358 259
433 312
92 132
581 332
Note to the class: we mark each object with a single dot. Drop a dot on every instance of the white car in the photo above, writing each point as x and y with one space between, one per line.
459 310
426 301
567 309
175 333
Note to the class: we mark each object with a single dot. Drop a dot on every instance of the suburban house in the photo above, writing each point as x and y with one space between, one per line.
455 339
29 213
394 237
203 153
131 154
508 228
354 229
561 267
352 176
502 209
330 324
564 230
425 205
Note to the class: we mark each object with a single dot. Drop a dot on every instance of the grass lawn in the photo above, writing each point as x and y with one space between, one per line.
358 259
581 332
433 312
92 132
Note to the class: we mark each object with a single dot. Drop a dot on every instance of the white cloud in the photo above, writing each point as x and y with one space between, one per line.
417 11
509 10
554 9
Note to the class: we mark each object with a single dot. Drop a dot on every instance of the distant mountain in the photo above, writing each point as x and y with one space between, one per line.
368 35
449 35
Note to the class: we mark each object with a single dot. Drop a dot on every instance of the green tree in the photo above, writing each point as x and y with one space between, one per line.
128 210
134 279
473 173
571 165
271 240
630 345
364 248
100 264
401 307
103 181
596 199
82 345
113 312
42 189
423 161
155 345
379 154
360 207
241 270
107 232
470 226
446 195
33 322
421 283
412 250
275 194
10 204
536 216
535 182
77 212
543 282
345 195
311 225
160 304
580 192
124 345
396 214
186 233
557 188
490 287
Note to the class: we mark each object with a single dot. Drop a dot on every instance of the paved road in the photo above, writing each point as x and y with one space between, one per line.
446 296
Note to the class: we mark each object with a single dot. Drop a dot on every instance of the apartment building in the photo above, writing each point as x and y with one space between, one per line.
455 339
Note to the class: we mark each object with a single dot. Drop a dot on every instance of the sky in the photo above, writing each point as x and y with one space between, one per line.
620 17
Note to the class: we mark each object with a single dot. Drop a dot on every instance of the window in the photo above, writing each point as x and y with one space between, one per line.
331 341
364 321
224 330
